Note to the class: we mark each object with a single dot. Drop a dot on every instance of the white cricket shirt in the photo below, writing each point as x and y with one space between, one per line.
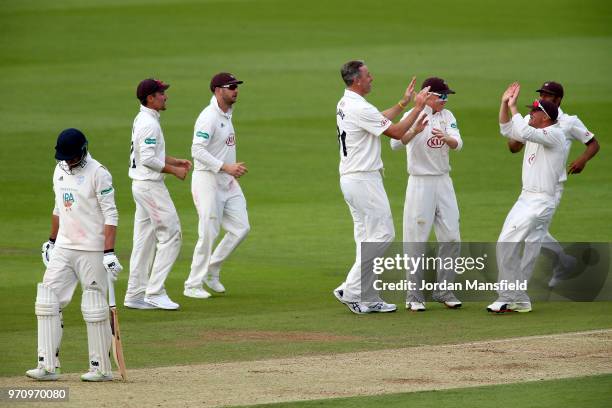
574 129
148 155
427 155
84 202
359 126
544 157
214 141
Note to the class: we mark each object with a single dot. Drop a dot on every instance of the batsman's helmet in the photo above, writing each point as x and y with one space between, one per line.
71 144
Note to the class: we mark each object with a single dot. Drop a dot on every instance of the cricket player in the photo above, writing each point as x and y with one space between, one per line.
80 249
157 230
216 193
359 126
528 220
430 196
574 130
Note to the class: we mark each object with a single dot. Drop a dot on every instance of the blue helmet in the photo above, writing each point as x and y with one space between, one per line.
71 145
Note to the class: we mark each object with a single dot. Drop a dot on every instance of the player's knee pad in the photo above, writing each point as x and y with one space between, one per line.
96 315
48 314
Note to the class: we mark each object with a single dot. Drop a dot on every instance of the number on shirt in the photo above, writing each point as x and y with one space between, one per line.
342 140
132 157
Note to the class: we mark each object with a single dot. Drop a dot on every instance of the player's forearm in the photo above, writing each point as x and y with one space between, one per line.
590 151
515 146
110 232
398 130
504 113
171 160
451 142
395 110
54 227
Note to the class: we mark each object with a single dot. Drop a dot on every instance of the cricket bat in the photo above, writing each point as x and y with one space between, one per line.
114 320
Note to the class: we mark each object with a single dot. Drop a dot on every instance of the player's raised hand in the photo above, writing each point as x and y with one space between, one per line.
421 123
409 94
509 92
515 94
422 97
236 169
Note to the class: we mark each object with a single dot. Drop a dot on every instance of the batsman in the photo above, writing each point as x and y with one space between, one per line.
80 249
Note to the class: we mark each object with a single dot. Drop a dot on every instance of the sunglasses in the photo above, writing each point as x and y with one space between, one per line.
230 86
536 106
442 96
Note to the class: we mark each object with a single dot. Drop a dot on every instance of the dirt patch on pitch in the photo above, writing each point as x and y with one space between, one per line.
351 374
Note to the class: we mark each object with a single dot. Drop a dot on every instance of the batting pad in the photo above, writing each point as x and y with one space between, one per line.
49 327
96 315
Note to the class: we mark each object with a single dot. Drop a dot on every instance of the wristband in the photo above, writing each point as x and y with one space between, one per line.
52 240
106 251
401 106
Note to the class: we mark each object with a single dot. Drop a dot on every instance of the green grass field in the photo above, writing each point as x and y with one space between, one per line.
76 64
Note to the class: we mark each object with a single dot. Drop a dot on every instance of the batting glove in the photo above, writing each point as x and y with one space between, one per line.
112 265
47 250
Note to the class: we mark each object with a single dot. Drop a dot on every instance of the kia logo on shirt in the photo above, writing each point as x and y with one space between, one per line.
435 142
231 140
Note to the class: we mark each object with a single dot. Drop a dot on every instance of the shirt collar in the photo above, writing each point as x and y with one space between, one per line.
215 105
150 111
352 94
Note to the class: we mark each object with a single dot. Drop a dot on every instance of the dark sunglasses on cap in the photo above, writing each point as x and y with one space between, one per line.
536 106
442 96
230 86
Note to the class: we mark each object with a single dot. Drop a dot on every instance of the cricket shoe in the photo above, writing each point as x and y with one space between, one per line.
161 302
451 302
95 375
499 307
138 304
415 306
196 293
381 307
358 307
215 285
41 374
562 269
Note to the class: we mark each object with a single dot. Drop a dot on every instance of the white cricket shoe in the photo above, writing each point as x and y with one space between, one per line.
357 307
95 375
498 307
381 307
41 374
138 304
451 302
161 302
562 269
196 293
215 285
415 306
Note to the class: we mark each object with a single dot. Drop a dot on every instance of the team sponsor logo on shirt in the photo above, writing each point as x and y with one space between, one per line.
587 134
454 125
68 201
231 140
435 142
150 140
203 135
384 122
107 191
531 159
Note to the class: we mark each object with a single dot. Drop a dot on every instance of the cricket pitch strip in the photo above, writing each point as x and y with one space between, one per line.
351 374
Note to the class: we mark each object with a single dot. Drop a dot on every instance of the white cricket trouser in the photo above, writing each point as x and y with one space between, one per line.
549 242
526 223
218 206
67 267
157 239
430 201
367 200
